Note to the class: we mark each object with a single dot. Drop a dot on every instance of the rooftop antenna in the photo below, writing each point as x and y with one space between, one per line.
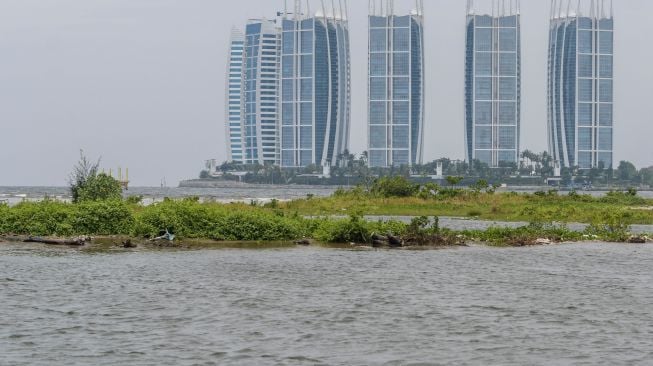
285 9
611 9
308 9
342 15
518 7
333 9
346 10
298 8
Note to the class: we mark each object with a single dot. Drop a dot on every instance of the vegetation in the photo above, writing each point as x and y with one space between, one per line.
532 169
399 197
546 213
87 185
99 210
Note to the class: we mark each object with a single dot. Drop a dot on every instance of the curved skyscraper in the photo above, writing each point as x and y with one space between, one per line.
493 83
395 86
315 85
233 118
580 83
261 92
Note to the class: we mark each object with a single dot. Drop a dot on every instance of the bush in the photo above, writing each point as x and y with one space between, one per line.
103 218
190 219
394 187
39 219
100 187
611 226
354 230
52 218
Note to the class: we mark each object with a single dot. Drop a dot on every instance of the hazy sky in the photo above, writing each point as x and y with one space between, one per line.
141 82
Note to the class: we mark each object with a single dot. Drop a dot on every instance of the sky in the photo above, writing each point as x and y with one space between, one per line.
141 83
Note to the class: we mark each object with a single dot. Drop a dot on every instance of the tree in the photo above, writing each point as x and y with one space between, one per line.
100 187
646 175
454 181
626 172
82 172
87 185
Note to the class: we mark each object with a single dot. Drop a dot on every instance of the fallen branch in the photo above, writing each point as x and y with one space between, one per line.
76 241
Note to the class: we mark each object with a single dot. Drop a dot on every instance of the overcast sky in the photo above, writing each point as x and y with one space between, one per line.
141 82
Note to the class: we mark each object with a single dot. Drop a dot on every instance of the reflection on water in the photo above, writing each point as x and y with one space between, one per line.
585 304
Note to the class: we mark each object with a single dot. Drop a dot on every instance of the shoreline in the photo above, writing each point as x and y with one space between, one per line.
125 243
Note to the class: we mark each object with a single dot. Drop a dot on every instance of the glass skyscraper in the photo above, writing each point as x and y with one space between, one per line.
493 84
396 87
315 87
233 98
261 92
580 84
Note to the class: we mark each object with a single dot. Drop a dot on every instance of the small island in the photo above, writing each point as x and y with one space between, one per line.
405 215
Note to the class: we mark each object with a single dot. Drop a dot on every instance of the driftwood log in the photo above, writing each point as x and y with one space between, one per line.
75 241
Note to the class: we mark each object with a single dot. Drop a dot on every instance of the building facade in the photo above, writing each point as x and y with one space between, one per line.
395 87
315 87
580 84
234 92
493 85
261 92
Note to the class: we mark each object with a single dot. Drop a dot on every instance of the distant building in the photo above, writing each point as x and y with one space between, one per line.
493 84
261 92
580 84
395 86
234 92
315 84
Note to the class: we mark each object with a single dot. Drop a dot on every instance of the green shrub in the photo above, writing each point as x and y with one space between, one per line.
103 218
354 230
100 187
611 225
394 187
189 219
40 219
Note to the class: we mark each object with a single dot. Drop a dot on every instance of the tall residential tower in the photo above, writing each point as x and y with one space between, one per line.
234 92
315 85
261 92
493 83
395 85
580 83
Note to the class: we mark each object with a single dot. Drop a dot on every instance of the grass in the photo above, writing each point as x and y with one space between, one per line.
609 217
510 207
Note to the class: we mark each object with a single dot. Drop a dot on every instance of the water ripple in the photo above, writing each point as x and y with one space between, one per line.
586 304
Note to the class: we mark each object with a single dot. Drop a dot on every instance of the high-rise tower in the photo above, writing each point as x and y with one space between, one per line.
261 92
580 83
395 85
493 83
234 92
315 85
